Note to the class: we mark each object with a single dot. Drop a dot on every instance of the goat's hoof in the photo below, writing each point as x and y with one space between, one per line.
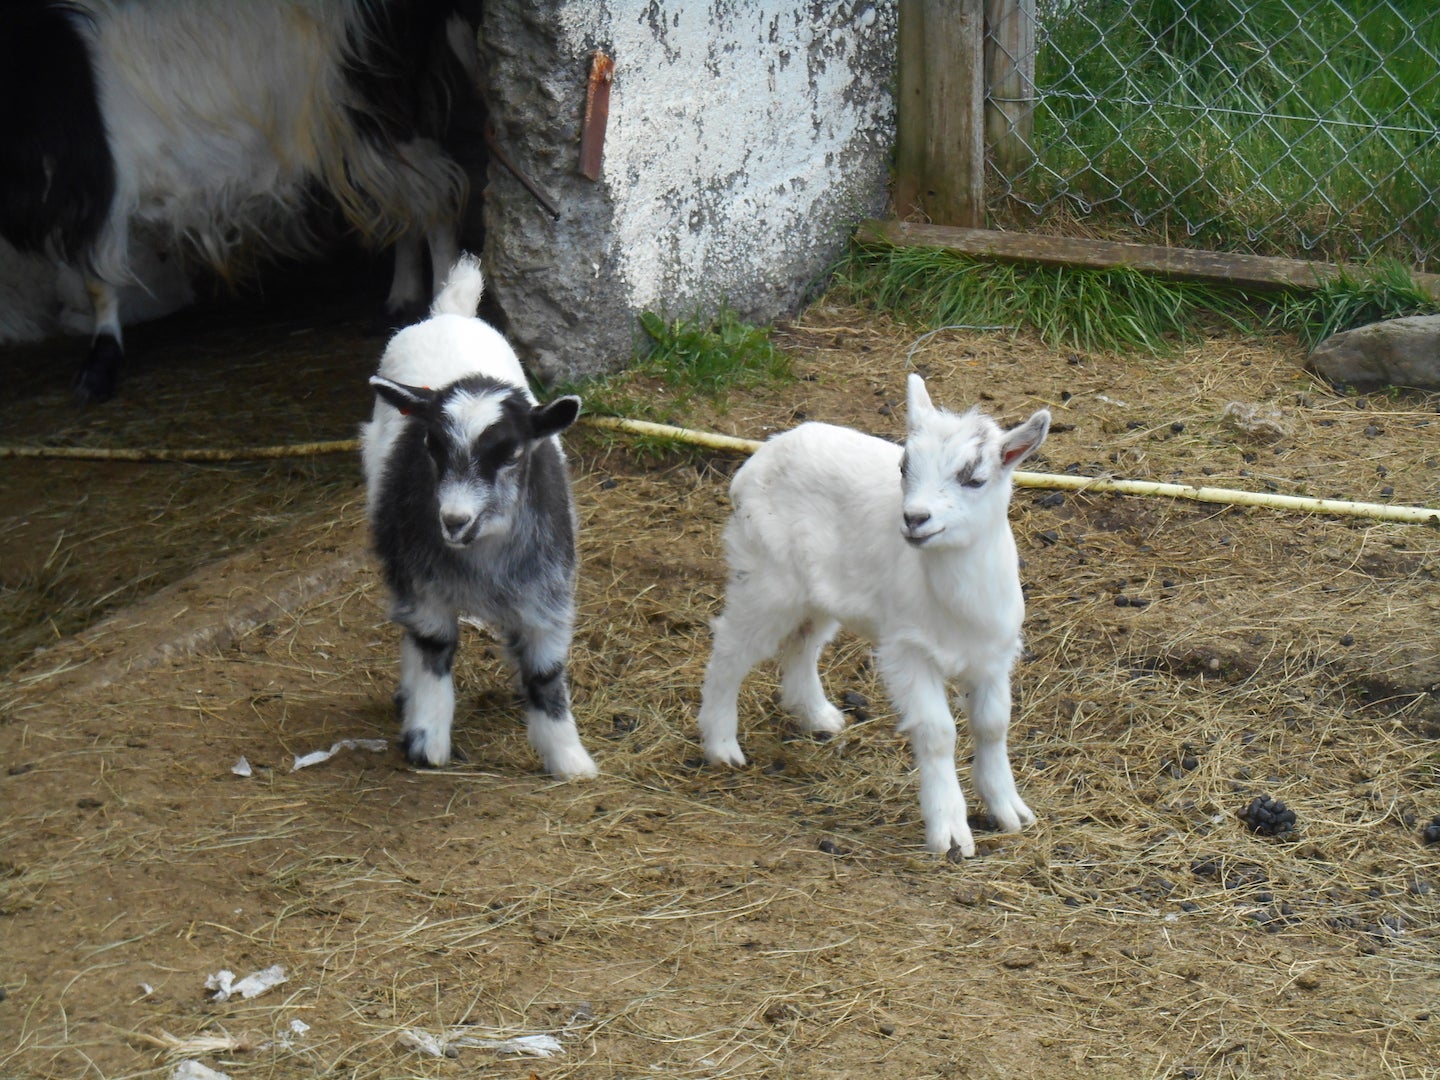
99 374
1013 816
573 764
948 839
725 753
424 749
822 723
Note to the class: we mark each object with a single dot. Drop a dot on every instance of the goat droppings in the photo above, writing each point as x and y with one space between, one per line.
1268 817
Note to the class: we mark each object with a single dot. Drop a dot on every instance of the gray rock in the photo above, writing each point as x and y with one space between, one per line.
1398 352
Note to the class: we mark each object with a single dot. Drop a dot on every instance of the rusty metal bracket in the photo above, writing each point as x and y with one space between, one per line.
597 114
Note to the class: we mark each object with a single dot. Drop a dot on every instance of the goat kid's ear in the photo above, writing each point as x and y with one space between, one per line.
554 417
408 399
1019 443
917 401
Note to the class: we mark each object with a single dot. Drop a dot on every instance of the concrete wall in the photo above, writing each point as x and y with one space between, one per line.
745 138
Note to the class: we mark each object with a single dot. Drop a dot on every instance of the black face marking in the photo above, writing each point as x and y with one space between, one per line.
966 477
500 447
496 450
435 447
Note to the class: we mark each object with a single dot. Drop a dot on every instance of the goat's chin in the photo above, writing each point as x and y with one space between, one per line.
922 540
950 537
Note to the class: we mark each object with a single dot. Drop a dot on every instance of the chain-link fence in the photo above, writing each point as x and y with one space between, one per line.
1308 128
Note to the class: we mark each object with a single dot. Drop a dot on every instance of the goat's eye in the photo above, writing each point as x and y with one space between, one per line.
972 483
904 464
436 449
502 455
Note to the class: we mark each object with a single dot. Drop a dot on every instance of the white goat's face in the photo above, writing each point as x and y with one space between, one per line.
478 434
956 471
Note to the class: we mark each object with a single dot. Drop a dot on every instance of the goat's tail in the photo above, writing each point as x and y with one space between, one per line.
463 286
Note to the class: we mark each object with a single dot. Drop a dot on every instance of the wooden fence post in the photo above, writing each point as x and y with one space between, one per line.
1010 78
940 121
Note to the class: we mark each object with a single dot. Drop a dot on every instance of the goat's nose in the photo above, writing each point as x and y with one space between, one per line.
914 520
454 523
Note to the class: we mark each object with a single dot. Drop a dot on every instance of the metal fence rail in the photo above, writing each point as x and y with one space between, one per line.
1308 128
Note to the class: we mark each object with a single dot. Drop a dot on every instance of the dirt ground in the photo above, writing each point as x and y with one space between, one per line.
673 919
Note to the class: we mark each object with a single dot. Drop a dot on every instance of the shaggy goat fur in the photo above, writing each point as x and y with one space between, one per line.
208 125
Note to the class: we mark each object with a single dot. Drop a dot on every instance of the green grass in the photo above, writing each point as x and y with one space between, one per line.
1389 292
697 358
1099 310
1252 125
1084 309
709 358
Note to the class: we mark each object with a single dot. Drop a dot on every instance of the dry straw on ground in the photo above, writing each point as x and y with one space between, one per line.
676 919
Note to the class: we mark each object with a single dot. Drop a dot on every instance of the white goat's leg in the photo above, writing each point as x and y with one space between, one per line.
918 693
539 653
426 698
444 251
988 706
745 634
407 287
801 692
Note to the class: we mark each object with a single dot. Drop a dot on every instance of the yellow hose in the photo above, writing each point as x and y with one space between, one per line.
1415 515
1420 515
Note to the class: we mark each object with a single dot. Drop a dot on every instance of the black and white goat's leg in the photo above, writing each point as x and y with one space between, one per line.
98 375
426 698
539 654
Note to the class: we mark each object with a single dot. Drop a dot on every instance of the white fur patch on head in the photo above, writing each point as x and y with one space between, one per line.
468 414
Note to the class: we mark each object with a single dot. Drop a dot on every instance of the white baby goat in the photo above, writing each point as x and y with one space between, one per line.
909 548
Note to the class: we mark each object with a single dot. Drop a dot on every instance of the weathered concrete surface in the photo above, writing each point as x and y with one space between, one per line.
745 139
1397 352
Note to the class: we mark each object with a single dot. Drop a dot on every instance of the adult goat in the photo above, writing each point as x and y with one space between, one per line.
210 126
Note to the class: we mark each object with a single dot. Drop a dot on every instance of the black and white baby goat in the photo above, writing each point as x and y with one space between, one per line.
470 510
910 548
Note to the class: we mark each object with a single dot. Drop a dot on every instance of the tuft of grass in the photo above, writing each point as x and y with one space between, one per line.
711 357
1389 291
1120 309
1066 307
698 358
